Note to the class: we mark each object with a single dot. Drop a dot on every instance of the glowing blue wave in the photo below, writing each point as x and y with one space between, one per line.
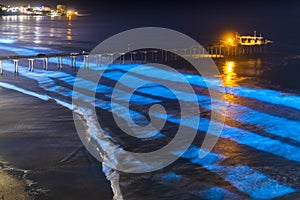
7 41
272 124
268 187
257 184
265 95
230 132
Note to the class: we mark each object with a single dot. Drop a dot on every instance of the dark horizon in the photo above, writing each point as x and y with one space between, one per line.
158 7
274 20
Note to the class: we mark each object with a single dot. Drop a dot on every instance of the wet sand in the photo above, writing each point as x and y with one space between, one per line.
36 141
11 188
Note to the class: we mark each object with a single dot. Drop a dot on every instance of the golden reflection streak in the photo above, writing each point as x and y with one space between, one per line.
229 75
229 78
69 34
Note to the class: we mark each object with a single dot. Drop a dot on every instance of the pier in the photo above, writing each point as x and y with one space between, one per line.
45 59
217 51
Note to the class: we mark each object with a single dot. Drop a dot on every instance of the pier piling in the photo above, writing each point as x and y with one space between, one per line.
145 56
73 61
98 59
131 57
1 67
45 63
166 56
122 58
16 64
155 56
59 63
30 64
86 61
197 52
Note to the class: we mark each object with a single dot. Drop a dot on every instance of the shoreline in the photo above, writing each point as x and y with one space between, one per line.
36 136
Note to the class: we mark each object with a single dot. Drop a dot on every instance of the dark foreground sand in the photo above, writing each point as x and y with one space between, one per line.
36 137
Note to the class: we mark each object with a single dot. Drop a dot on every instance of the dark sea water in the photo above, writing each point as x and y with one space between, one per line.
256 157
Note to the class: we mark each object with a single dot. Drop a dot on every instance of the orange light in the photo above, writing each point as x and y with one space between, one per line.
228 39
229 67
229 75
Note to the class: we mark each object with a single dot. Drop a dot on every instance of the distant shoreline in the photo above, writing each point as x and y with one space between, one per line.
43 15
22 14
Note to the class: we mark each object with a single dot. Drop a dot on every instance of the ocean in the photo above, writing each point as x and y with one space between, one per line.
257 155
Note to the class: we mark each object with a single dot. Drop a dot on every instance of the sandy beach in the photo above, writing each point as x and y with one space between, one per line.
11 188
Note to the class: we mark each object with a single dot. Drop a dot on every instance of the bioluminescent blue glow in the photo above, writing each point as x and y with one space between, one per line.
155 89
265 95
252 182
7 41
278 127
193 151
269 96
19 51
265 187
172 177
257 118
216 193
270 123
253 140
246 179
27 92
134 98
30 50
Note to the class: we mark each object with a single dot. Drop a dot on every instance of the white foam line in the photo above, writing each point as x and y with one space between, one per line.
45 97
100 137
244 178
265 95
191 154
247 138
258 118
272 124
27 92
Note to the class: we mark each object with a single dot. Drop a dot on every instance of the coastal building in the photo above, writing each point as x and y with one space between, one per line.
61 8
245 40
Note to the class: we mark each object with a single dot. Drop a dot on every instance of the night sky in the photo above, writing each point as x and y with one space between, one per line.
157 6
269 17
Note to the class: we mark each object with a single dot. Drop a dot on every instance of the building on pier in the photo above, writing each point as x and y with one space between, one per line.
246 40
244 44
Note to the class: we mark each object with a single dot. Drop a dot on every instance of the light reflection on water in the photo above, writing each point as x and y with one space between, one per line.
30 29
229 75
235 71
